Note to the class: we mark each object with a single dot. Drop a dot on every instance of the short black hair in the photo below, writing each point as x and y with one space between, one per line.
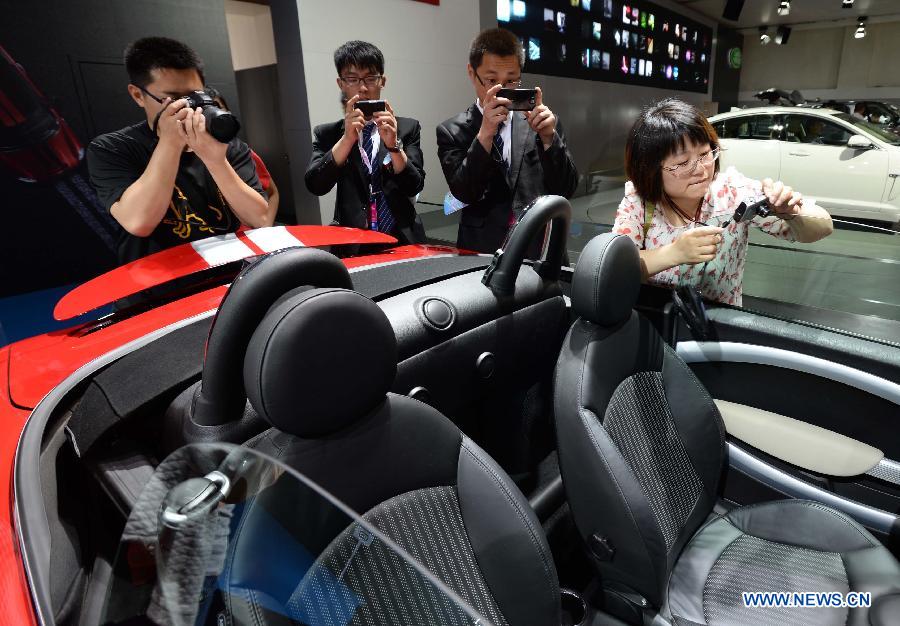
496 41
154 53
662 129
360 54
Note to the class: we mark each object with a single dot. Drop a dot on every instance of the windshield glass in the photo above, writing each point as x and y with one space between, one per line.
224 535
873 129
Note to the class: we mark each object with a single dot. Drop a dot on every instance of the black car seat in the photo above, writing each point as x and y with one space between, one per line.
215 409
642 451
318 369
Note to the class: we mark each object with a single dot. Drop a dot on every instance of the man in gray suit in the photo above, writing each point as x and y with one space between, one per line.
496 161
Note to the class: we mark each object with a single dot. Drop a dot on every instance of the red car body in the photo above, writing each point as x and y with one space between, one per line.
31 368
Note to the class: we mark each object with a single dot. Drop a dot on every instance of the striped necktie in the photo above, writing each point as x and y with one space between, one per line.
498 143
385 217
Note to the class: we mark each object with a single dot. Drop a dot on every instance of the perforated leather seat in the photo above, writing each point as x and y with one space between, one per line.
318 369
642 451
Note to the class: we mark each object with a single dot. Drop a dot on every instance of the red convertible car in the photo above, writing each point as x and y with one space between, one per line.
314 425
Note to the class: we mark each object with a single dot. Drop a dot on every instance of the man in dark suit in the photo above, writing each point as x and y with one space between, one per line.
375 160
496 161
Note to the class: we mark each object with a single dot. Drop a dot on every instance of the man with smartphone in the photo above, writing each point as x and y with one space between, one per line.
372 155
505 150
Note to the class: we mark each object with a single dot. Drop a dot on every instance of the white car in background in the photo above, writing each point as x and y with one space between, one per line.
851 167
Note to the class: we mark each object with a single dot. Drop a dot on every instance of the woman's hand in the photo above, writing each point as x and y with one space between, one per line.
784 200
697 245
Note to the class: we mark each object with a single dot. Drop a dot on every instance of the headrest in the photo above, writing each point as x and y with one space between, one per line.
607 279
319 361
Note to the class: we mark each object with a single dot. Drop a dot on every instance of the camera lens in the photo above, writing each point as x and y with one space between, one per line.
222 125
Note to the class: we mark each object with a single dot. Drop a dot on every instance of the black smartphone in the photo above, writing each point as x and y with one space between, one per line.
519 99
369 107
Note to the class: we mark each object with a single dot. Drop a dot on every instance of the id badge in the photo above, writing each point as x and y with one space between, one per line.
373 213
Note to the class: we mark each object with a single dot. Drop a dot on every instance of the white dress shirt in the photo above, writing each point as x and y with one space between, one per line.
505 134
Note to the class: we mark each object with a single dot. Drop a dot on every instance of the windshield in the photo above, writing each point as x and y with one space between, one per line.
224 535
873 129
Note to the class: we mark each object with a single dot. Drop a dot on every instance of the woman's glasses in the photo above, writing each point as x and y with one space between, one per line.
686 169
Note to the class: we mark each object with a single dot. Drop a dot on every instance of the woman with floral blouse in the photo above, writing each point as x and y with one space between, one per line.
676 200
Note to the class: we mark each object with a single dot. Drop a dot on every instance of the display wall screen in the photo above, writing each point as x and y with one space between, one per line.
611 40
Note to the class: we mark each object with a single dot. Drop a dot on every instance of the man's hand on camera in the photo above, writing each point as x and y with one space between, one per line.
354 120
205 146
541 119
386 124
169 125
496 111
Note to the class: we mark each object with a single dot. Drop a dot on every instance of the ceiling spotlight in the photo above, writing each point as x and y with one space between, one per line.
847 4
764 37
784 7
860 28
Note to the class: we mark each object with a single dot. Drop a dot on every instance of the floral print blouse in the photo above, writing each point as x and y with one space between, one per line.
720 280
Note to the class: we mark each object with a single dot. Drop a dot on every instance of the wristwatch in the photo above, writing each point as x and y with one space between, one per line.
397 147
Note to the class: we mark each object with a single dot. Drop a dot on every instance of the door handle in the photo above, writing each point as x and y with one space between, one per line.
799 153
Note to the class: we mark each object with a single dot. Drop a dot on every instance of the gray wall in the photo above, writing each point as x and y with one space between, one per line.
826 63
425 49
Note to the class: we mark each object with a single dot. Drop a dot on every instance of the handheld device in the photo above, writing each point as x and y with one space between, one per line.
369 107
746 212
519 99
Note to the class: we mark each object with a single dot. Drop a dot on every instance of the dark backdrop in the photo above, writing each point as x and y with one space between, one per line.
261 124
72 51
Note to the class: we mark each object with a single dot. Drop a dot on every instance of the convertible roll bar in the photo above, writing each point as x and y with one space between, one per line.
554 212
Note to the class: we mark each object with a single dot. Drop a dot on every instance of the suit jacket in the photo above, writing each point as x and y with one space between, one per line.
352 203
480 179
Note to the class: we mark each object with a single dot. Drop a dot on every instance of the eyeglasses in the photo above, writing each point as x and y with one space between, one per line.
510 84
353 81
160 100
157 98
684 170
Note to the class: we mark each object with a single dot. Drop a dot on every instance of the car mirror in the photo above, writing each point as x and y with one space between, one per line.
858 142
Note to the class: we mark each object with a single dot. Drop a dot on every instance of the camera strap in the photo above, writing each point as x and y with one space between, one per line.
155 123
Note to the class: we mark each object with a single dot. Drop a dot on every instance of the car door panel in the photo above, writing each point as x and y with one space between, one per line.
816 160
845 390
799 443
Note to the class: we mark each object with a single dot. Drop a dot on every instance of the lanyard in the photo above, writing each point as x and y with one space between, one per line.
373 201
367 160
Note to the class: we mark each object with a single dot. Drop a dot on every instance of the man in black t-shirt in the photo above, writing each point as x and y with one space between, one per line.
166 180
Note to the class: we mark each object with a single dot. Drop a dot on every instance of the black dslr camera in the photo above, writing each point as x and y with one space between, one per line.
222 125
